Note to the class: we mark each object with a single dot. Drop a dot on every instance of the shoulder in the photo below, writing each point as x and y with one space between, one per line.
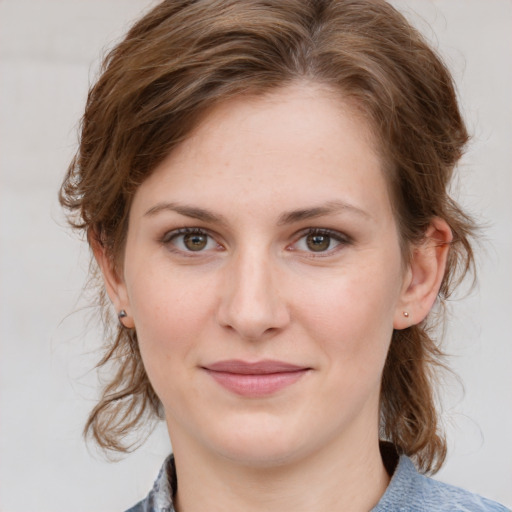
137 508
412 492
160 497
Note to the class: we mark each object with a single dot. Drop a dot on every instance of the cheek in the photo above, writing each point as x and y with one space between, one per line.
351 316
170 318
169 312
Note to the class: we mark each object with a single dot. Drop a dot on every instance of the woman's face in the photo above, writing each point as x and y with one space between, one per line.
264 277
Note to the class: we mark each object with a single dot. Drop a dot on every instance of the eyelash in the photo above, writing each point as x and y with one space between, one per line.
170 236
341 239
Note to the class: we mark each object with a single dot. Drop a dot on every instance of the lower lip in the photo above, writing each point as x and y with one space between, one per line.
256 385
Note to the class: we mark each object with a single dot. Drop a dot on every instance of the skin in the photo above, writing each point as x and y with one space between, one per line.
260 289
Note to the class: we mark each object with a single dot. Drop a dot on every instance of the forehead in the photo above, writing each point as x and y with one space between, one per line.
304 114
299 143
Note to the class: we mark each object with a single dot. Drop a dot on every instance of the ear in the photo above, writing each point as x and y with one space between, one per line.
114 284
424 275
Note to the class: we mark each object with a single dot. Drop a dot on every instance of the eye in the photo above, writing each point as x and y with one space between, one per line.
320 241
190 240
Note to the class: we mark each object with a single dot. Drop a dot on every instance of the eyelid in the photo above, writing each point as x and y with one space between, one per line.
342 239
169 236
173 233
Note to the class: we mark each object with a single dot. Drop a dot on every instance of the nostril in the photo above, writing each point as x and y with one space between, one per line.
252 319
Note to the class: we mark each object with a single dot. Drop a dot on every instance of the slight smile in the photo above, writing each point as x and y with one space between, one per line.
255 379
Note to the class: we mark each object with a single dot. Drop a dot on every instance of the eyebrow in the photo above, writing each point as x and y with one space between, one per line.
204 215
329 208
187 211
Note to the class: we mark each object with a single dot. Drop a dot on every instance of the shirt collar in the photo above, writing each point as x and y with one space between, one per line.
397 494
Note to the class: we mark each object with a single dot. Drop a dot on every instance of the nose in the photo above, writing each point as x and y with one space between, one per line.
252 303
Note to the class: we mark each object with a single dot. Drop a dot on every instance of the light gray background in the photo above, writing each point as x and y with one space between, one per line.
49 51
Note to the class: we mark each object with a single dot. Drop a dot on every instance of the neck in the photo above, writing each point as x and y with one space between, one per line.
350 477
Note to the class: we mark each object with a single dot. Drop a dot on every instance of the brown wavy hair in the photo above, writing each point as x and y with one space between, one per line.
185 56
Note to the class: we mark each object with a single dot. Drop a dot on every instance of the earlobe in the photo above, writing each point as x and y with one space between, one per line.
424 276
114 284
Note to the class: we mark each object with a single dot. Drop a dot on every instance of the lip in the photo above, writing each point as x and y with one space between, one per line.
255 379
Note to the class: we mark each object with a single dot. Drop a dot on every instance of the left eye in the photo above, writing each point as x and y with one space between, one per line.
319 241
190 241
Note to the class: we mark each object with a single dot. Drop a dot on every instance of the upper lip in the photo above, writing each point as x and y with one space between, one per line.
263 367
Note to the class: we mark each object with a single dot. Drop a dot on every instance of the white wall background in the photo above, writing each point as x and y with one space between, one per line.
49 51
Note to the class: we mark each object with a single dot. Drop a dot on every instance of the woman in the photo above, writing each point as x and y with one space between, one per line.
264 188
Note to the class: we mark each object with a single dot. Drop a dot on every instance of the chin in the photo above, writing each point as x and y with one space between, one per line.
262 444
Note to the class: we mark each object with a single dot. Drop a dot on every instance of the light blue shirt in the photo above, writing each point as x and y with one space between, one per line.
408 491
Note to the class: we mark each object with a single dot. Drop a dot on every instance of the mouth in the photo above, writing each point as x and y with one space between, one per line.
255 379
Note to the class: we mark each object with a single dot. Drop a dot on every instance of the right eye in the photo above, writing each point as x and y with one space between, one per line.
190 240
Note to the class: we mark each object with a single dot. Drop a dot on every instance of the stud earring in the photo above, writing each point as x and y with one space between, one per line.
406 314
122 314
